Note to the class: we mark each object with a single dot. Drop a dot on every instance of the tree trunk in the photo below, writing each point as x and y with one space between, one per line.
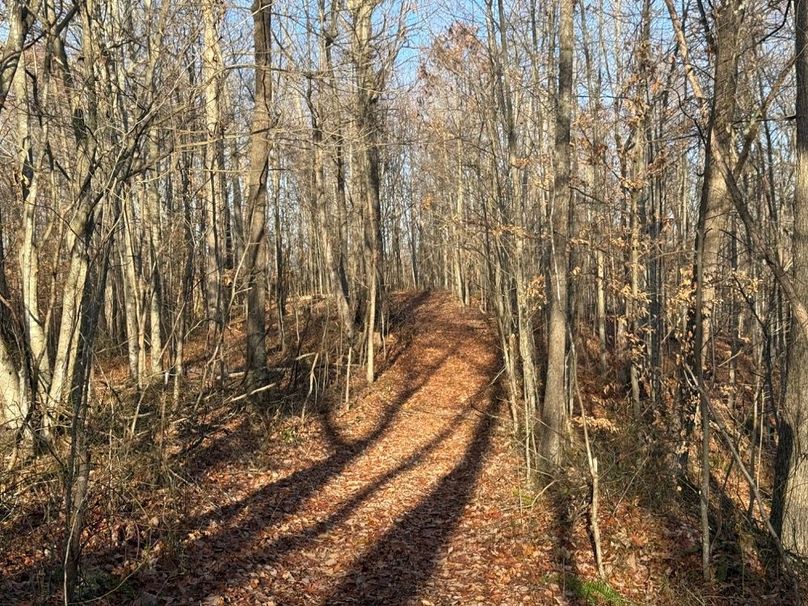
256 251
554 416
331 244
367 166
716 202
714 210
212 75
790 506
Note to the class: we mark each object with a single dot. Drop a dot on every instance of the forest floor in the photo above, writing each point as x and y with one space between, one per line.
414 494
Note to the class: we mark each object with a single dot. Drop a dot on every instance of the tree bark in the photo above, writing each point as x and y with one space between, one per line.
214 178
367 166
256 249
790 506
554 415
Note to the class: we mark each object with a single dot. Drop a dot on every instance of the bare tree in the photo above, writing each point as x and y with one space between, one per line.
260 144
553 415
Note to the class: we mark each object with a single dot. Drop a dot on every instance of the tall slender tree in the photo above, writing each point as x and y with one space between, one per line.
553 414
260 145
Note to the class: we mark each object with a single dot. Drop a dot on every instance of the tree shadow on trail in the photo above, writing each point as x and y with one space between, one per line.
405 558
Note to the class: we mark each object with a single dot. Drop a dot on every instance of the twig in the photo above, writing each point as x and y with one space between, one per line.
348 379
253 392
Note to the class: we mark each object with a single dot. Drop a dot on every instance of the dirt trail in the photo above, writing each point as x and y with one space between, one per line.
411 497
